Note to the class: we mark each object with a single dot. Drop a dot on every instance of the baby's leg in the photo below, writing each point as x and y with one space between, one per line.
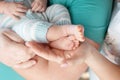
33 26
6 21
59 15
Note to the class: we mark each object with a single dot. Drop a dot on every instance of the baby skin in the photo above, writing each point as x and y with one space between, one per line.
16 9
65 37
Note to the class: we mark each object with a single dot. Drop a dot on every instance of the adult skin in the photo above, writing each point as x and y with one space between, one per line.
46 69
92 58
13 51
43 69
94 18
96 61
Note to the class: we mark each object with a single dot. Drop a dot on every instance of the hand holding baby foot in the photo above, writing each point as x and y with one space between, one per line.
79 55
46 52
39 5
64 58
14 9
65 37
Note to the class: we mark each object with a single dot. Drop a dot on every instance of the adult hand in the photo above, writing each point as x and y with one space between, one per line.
77 56
39 5
48 53
81 54
13 52
14 9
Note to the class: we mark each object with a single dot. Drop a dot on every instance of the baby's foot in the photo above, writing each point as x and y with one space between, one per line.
65 43
56 32
76 30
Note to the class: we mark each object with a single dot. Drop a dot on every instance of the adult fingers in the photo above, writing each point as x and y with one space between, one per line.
58 56
24 53
33 4
46 52
21 6
14 17
38 49
26 64
12 36
39 8
22 10
36 5
3 40
19 14
43 8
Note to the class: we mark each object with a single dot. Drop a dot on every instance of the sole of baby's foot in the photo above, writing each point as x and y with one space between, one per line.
65 43
77 31
74 41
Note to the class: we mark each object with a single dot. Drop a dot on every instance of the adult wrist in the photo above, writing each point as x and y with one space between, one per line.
91 55
94 44
89 52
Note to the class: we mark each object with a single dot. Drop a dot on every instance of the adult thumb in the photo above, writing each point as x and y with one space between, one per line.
12 36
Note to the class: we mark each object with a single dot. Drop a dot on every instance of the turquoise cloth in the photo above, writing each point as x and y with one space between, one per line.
93 14
6 73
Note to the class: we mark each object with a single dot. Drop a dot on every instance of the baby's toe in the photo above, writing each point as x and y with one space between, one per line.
70 45
79 33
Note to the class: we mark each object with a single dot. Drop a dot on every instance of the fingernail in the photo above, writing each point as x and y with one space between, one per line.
68 56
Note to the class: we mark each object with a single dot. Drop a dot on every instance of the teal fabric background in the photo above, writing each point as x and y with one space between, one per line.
93 14
6 73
